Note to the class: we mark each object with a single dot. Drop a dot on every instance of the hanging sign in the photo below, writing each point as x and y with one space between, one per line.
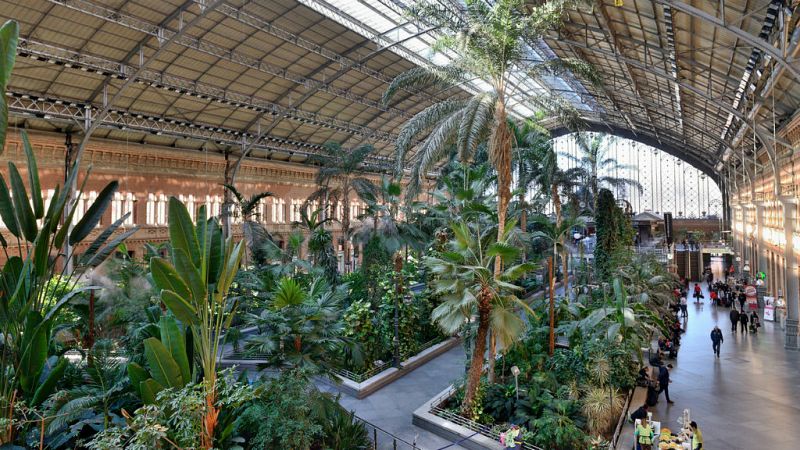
769 308
752 296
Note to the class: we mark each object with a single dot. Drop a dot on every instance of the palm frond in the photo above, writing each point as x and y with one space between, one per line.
419 124
422 77
560 66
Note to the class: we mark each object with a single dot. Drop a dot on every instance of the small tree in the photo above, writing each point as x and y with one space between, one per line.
467 284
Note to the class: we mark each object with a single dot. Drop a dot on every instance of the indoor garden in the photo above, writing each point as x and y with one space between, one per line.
104 351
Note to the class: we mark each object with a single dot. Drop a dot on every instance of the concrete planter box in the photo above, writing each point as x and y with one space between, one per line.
381 379
453 432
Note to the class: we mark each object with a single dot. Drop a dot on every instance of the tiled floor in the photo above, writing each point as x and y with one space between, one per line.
391 407
748 399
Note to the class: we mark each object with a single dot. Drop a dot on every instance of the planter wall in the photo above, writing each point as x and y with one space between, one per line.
383 378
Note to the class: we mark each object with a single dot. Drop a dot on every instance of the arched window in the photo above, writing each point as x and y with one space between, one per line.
150 216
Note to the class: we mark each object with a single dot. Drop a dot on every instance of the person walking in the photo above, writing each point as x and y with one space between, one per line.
755 323
742 299
716 340
644 435
664 381
697 436
684 306
698 292
743 319
734 315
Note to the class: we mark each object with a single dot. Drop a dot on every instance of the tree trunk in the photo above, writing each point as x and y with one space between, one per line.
552 345
228 197
476 364
209 419
523 221
492 355
556 202
346 231
501 141
566 272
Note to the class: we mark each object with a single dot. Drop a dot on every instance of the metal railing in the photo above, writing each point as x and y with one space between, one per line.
384 440
484 430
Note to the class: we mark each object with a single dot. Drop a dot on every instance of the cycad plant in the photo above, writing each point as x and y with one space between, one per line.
490 41
35 234
194 285
340 179
466 281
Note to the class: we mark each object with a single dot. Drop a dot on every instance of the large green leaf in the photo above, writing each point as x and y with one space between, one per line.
7 209
163 366
103 237
172 338
182 233
149 389
137 374
33 177
93 215
22 206
33 351
47 387
166 277
9 36
104 252
182 309
215 252
191 275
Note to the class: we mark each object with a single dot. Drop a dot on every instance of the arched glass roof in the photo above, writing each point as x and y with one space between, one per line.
278 78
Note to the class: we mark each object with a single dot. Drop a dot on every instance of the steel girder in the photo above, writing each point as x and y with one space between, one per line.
89 63
25 105
217 51
165 42
755 41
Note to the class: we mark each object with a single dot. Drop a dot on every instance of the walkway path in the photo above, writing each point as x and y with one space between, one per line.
391 407
748 399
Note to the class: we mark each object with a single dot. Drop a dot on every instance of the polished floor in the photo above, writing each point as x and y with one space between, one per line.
748 399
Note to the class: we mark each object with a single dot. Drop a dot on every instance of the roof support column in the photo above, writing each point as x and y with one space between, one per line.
792 294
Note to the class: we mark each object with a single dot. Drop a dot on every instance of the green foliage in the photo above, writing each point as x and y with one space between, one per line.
167 360
194 283
175 419
302 328
289 412
614 235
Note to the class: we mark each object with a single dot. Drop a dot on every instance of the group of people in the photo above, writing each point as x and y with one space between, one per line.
645 436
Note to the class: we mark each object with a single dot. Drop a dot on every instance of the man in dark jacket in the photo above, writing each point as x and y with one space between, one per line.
734 314
640 413
716 340
664 381
743 319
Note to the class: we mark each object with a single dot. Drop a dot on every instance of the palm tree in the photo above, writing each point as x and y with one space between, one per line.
467 283
320 241
532 143
303 328
340 181
491 43
553 233
595 167
247 208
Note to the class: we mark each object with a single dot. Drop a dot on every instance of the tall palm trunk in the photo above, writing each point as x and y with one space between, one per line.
478 351
501 142
346 230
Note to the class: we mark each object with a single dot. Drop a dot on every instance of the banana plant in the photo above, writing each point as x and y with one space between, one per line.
36 233
194 285
168 360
